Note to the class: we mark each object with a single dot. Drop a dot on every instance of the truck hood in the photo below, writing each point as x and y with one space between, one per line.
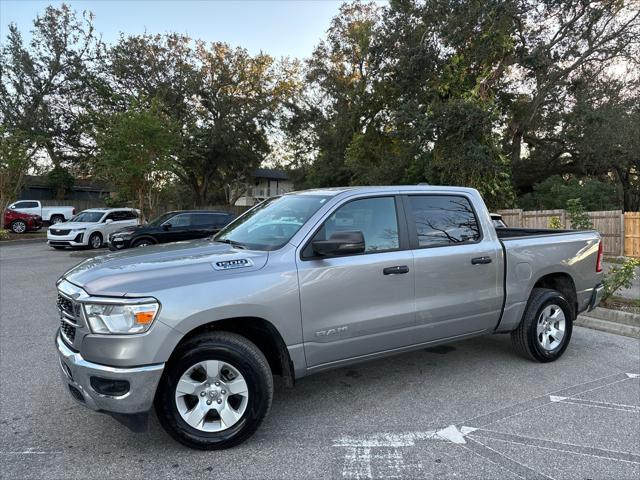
142 271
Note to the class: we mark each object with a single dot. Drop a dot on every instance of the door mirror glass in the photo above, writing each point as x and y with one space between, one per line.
340 243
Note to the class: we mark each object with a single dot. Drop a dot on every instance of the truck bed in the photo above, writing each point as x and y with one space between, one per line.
510 232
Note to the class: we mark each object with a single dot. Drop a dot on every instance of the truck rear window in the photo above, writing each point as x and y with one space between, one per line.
443 220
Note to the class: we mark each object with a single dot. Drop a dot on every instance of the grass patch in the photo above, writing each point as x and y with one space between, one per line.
615 302
10 236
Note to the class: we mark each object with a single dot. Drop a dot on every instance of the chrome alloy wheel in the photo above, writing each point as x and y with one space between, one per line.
19 226
212 396
96 241
551 327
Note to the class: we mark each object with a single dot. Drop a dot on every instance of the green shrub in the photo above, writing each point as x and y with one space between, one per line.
4 234
618 276
577 215
555 223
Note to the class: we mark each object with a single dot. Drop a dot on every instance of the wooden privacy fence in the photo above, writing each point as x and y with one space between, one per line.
632 234
620 232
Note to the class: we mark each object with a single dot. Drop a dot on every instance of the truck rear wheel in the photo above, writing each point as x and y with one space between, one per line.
545 330
216 391
56 219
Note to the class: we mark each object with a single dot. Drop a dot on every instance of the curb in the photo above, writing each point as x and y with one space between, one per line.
611 321
22 242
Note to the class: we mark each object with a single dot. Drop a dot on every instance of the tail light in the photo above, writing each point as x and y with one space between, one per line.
599 261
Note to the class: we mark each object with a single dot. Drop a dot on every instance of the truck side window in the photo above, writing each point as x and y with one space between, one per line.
26 205
375 217
443 220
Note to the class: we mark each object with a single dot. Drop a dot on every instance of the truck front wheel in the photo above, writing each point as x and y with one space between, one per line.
215 392
545 330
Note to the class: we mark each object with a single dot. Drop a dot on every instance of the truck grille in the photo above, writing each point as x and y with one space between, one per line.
68 306
68 331
57 231
69 317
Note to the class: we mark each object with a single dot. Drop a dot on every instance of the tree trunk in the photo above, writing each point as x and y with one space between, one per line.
141 205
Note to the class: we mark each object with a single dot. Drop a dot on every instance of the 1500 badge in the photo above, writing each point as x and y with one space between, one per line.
230 264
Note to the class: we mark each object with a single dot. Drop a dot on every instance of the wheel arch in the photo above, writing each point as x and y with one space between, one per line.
257 330
143 237
563 283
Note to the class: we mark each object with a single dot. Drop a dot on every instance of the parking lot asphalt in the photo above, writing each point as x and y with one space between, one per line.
471 409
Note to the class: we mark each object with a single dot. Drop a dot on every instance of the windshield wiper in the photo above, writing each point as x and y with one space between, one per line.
233 243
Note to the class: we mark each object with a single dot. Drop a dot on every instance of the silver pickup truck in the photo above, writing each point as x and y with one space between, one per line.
306 282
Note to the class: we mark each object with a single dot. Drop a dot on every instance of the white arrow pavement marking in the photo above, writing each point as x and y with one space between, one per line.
595 403
633 375
389 440
452 434
362 451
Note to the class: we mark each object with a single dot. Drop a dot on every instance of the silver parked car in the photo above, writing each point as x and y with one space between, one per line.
306 282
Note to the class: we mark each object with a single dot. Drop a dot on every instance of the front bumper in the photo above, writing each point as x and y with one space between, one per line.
596 296
117 242
76 374
73 239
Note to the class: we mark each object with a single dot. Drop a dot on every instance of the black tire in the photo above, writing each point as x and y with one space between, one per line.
93 243
56 219
249 361
18 226
525 338
143 242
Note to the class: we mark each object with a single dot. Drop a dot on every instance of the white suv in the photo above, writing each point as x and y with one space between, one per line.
91 227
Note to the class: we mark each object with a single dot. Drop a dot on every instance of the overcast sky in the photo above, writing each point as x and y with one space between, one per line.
277 27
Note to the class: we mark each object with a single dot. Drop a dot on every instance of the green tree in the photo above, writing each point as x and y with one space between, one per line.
15 161
555 191
225 101
61 180
43 84
135 153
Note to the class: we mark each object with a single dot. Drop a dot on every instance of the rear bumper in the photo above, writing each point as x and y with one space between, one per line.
77 373
596 296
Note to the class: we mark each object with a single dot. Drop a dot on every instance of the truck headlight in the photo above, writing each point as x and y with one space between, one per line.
112 318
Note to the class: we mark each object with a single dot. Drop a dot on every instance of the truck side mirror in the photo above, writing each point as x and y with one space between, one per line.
340 243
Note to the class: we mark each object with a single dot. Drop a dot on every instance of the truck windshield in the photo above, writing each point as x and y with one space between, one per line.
271 224
90 217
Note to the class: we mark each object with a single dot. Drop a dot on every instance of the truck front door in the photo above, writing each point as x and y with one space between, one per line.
358 304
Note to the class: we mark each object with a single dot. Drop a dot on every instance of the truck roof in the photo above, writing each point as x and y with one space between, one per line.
332 191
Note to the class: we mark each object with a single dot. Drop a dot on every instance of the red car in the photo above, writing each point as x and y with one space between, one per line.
19 222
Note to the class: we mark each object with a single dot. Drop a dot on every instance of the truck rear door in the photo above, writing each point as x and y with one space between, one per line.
458 266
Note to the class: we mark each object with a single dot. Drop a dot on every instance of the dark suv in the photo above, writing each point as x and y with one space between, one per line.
171 227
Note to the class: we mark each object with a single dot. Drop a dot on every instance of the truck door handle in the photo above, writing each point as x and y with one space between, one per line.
397 270
480 260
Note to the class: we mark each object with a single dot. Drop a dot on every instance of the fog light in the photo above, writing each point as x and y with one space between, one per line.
76 393
109 386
